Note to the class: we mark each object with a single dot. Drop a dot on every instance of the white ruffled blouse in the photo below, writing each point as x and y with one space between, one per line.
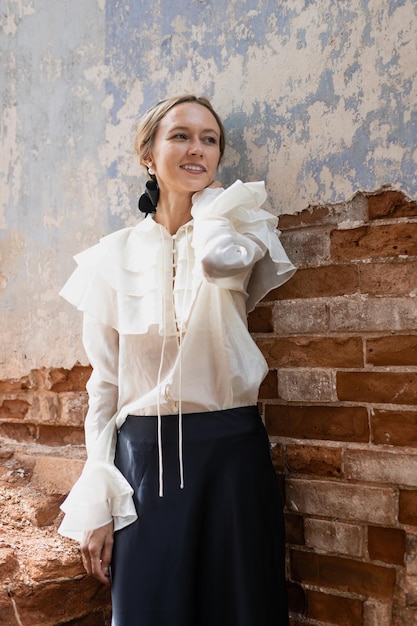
152 305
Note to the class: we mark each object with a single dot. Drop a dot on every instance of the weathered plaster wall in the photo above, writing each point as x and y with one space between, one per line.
318 99
52 181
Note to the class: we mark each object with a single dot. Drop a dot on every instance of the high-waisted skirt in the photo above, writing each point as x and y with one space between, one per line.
212 553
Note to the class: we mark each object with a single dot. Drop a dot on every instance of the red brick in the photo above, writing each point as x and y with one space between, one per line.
344 574
296 599
51 561
334 423
410 590
75 379
277 455
61 436
377 387
371 242
315 460
304 245
6 452
292 317
386 544
318 282
269 386
98 618
381 466
319 215
9 564
390 204
333 609
396 428
412 554
342 500
371 314
14 409
78 597
48 410
294 529
392 279
378 613
18 384
306 385
73 408
313 216
260 320
408 507
333 536
18 432
312 351
7 614
56 475
7 593
392 350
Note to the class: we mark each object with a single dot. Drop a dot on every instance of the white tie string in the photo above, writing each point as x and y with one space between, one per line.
161 362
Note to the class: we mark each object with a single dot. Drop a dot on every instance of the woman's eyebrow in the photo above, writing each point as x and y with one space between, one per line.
205 130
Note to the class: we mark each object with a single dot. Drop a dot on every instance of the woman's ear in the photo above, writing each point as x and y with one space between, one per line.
147 160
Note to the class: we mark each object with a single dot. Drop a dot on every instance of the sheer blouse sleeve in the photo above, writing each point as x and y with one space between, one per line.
101 493
233 235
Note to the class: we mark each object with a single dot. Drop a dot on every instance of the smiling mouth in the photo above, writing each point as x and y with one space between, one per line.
193 168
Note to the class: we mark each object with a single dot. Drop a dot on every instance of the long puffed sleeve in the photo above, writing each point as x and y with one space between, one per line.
221 250
101 343
234 238
101 493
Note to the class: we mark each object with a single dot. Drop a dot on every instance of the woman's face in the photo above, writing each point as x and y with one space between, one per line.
186 152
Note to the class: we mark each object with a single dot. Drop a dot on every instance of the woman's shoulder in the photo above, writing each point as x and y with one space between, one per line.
116 280
125 247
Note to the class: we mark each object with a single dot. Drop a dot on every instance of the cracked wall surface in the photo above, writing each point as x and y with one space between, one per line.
318 99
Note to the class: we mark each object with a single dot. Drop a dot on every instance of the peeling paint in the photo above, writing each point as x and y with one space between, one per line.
310 82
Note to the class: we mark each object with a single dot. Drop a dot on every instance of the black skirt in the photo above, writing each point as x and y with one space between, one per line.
212 553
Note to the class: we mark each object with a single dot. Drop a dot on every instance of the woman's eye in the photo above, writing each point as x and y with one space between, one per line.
211 139
180 136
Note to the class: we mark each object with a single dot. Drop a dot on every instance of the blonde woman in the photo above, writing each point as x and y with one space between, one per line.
178 506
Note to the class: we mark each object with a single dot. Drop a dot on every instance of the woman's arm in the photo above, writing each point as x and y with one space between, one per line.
221 249
101 344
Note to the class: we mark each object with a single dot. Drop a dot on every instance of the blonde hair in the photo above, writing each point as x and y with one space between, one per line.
148 125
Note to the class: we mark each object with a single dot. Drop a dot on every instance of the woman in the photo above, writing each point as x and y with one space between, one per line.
178 500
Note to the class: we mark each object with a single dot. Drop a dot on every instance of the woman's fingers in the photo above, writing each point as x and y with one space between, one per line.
106 556
96 550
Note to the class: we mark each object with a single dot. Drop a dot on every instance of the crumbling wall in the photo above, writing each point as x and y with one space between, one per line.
340 406
42 580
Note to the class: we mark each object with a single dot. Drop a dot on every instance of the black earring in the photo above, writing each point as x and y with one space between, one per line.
149 200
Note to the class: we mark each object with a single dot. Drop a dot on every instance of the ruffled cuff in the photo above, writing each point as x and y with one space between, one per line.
225 202
241 205
99 495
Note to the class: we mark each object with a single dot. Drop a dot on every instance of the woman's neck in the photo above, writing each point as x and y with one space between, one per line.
173 213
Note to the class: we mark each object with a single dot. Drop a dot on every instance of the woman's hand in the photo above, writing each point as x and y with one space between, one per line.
96 550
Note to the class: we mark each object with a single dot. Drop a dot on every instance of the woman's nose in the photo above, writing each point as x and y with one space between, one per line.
196 148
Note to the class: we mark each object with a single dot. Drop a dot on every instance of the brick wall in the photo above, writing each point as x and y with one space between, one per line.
42 581
340 407
339 404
